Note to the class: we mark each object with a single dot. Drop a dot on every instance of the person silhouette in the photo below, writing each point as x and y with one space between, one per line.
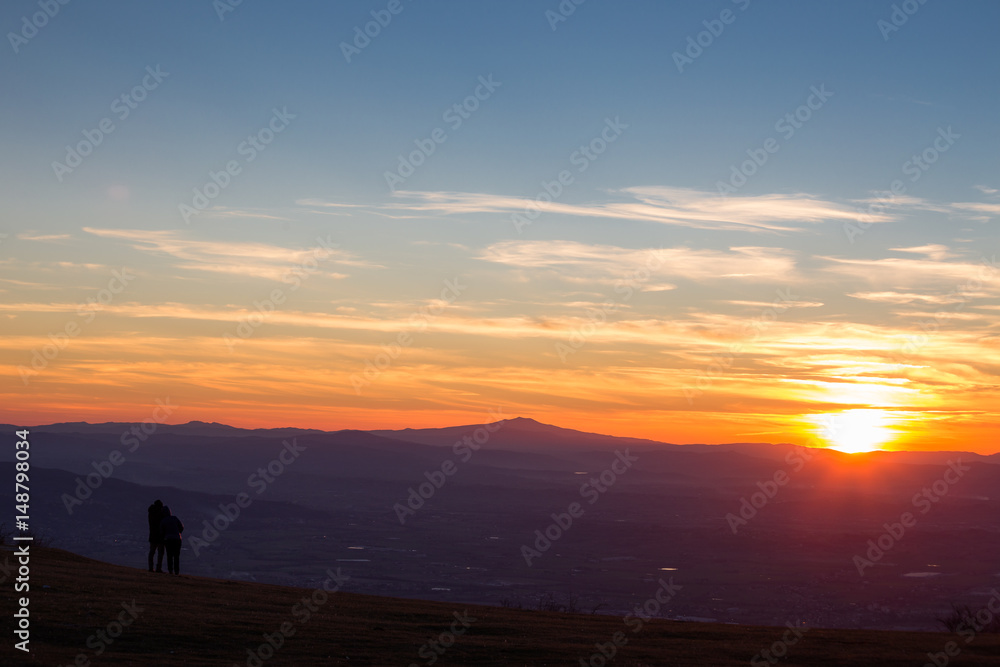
171 527
155 516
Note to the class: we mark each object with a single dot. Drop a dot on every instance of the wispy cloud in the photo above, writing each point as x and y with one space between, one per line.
901 201
325 204
754 263
990 210
223 212
769 304
259 260
34 236
934 251
936 276
907 297
666 205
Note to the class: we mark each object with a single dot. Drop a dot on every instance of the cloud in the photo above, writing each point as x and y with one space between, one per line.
934 251
33 236
879 200
666 205
612 262
761 211
944 315
907 297
933 275
786 304
222 212
260 260
978 207
325 204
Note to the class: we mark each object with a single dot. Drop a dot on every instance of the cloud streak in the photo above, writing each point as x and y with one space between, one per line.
259 260
684 207
605 261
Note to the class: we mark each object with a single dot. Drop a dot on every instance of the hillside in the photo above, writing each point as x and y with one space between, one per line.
351 499
200 621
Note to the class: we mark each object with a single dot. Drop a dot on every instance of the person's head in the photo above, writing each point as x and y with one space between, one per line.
158 503
166 511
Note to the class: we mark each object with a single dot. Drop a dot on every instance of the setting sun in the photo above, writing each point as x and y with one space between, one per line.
856 431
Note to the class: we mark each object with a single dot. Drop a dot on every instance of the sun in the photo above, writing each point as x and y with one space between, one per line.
856 431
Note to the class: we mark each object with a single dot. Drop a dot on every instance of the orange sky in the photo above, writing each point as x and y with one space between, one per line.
486 210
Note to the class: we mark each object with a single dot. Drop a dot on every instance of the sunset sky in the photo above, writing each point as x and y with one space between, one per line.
586 219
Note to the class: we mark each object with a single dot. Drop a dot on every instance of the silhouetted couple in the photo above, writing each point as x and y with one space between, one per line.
164 535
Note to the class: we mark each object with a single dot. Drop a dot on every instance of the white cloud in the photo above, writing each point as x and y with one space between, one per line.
666 205
977 207
935 276
934 251
222 212
259 260
906 297
34 236
606 261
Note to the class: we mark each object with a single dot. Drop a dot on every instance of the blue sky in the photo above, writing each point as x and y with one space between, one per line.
606 59
655 186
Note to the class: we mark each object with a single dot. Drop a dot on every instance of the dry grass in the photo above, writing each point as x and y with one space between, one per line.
198 621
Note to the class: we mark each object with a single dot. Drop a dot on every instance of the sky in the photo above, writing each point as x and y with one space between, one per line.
695 222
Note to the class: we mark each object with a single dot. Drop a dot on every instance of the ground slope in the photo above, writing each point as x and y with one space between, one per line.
200 621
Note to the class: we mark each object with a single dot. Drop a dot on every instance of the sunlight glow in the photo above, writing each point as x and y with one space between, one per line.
856 431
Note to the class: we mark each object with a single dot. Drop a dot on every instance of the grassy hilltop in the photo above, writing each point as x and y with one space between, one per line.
200 621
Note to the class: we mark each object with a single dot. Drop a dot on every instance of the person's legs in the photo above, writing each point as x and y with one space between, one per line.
173 556
159 557
152 548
